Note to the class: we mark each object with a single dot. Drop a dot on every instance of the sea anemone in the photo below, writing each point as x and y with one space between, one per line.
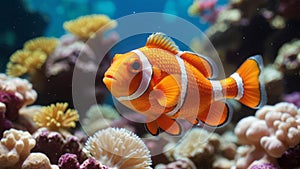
56 117
119 148
44 44
25 62
85 27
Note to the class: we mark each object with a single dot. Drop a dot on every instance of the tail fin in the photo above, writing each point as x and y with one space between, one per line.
250 89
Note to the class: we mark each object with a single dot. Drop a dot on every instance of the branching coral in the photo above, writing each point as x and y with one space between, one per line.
25 62
44 44
14 148
86 26
56 117
125 149
271 132
99 117
53 144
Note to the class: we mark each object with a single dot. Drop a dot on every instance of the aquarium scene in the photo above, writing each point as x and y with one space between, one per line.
150 84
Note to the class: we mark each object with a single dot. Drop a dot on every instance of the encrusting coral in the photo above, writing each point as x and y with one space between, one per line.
53 144
37 161
56 117
269 133
15 146
85 27
125 149
99 117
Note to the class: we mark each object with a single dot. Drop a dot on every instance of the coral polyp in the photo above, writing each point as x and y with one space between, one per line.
56 117
25 62
44 44
86 26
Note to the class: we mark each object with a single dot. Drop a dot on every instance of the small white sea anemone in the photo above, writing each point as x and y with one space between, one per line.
119 149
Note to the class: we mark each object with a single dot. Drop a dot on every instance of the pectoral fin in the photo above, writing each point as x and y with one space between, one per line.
167 91
217 114
152 127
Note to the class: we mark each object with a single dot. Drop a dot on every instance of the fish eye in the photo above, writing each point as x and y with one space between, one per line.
135 66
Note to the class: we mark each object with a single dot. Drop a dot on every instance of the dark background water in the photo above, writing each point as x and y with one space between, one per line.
22 20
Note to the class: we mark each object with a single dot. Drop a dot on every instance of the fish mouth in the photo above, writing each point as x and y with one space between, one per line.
110 77
108 80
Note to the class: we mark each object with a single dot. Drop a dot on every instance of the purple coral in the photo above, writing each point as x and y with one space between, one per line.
4 123
290 158
293 98
12 103
70 161
264 166
54 145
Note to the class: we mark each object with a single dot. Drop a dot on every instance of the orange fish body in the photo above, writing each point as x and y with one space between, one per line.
164 84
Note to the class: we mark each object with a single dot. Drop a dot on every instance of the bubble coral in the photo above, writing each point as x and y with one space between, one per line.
288 59
85 27
44 44
25 62
53 144
271 132
15 146
38 161
99 117
119 148
56 117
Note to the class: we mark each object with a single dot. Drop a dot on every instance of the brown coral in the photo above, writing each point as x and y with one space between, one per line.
44 44
125 149
86 26
25 62
56 117
15 146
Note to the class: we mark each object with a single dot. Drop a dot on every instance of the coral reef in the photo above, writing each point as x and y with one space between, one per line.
48 141
207 10
290 158
85 27
179 164
269 134
293 98
37 161
99 117
15 147
43 44
56 117
125 149
69 161
204 149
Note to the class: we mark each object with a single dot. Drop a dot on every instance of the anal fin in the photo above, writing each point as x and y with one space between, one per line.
216 115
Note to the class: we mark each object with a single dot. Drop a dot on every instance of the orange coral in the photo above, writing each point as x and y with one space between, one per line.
56 117
44 44
24 61
86 26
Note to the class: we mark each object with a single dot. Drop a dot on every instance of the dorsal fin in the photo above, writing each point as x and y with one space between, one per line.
204 64
162 41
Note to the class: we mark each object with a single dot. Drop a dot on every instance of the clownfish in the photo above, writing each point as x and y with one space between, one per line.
163 83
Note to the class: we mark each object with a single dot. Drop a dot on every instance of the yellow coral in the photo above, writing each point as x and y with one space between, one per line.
24 61
44 44
56 116
86 26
